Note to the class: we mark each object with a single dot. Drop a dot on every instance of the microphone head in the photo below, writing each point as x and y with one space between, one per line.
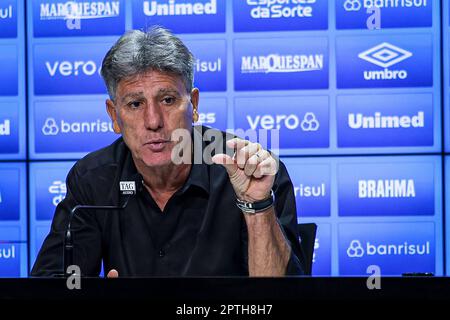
127 187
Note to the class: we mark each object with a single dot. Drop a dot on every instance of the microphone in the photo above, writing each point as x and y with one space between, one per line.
127 188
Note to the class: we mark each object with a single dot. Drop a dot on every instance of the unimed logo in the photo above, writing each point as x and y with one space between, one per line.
172 8
181 16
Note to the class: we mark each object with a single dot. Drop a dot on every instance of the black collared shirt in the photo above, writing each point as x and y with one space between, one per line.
201 232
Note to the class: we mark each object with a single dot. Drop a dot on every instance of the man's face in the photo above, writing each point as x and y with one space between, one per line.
147 109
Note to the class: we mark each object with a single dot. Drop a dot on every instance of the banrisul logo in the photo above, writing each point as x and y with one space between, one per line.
388 61
395 247
181 16
8 19
385 55
384 188
81 18
78 127
277 15
353 14
277 64
68 69
385 120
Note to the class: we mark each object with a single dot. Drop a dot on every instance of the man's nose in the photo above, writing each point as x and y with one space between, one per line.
153 117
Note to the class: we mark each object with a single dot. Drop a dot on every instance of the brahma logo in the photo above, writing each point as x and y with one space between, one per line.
79 10
51 127
389 188
357 250
385 55
276 63
153 8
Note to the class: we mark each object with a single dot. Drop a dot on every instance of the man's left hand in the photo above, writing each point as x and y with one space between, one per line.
251 170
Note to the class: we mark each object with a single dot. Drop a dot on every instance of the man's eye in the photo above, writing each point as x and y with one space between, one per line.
134 104
168 100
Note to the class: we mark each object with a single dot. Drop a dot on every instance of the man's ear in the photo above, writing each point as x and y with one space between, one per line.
111 108
195 97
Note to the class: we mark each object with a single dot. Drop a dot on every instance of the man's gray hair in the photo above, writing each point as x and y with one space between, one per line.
137 52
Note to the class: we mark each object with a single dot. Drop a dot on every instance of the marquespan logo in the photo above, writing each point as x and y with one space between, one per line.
277 63
79 10
357 5
385 55
356 249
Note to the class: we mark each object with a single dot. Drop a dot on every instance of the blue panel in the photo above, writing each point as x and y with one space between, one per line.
55 18
68 68
385 120
257 15
387 188
213 113
70 129
322 251
13 260
281 64
9 85
352 14
302 122
8 19
384 61
211 64
182 16
395 248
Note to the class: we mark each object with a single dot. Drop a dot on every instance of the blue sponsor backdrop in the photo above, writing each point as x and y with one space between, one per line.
183 16
352 14
59 18
256 15
302 67
395 248
384 61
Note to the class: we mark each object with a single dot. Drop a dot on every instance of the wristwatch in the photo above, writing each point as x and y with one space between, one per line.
257 206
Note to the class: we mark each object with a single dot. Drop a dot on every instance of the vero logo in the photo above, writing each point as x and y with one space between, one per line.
385 55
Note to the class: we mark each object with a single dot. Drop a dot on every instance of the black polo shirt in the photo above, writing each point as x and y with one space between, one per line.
201 232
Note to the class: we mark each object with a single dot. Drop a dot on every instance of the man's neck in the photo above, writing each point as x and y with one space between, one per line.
165 179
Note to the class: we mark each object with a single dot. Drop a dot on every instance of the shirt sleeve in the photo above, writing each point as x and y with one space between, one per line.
286 212
85 230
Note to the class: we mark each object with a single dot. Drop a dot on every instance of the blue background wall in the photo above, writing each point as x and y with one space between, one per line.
317 74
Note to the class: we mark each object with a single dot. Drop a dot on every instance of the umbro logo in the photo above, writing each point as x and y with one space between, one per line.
385 55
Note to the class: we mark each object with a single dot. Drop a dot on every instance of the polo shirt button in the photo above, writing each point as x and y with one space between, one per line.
161 253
